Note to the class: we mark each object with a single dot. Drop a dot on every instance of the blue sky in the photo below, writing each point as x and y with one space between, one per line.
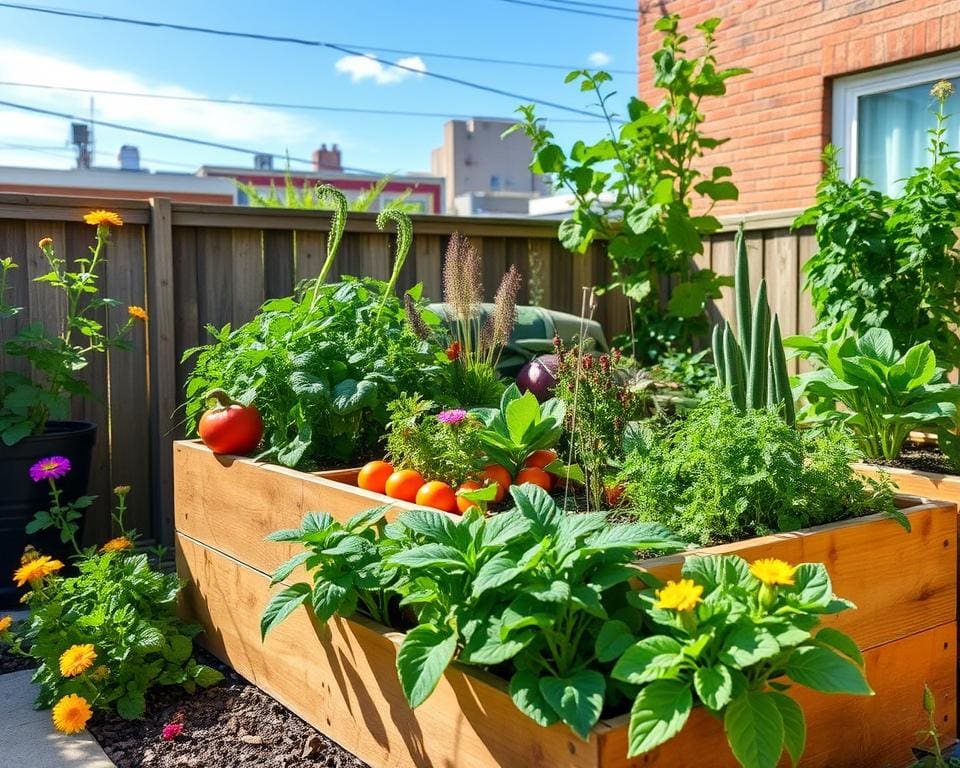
51 50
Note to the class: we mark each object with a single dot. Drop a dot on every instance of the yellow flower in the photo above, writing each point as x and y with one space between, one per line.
71 713
679 596
45 242
5 623
117 545
36 570
77 659
773 572
102 672
121 490
138 312
103 218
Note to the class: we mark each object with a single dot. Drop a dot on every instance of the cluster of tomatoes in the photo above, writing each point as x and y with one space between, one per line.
410 485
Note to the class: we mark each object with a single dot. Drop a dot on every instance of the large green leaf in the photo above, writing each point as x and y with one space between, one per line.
794 725
500 570
613 640
840 642
754 729
812 588
426 652
522 415
747 644
282 605
823 670
714 686
718 570
351 395
430 556
647 659
658 714
878 344
525 692
578 699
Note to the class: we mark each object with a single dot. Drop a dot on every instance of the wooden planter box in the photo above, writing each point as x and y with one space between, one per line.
342 678
933 485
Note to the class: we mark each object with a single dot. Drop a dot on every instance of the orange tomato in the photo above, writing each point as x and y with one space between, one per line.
404 484
373 476
497 473
536 476
540 459
464 504
437 495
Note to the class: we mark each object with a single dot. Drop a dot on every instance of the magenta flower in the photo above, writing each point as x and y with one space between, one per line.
454 416
171 731
51 468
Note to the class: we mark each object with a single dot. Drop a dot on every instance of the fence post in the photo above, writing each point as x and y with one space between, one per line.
161 356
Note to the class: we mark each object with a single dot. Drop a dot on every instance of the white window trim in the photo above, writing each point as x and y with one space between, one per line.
848 90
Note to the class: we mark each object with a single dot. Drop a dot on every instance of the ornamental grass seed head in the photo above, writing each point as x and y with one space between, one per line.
462 276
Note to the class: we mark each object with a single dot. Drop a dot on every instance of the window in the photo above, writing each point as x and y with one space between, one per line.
494 183
881 119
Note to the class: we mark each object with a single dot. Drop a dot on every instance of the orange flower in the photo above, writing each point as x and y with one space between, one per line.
5 623
118 544
71 713
138 312
36 570
103 218
77 659
45 242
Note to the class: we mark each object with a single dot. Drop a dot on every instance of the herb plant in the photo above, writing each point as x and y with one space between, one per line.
885 395
58 356
720 475
892 262
520 426
733 638
323 364
637 188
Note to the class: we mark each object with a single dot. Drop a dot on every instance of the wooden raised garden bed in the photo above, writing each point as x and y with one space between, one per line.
342 678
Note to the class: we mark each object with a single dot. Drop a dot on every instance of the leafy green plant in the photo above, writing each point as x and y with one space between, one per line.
440 446
733 638
935 757
637 188
891 262
57 357
721 475
520 426
345 566
306 197
322 365
753 369
885 394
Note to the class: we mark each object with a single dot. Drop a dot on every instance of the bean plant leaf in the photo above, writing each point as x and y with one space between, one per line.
282 605
794 725
714 686
526 694
840 642
637 663
825 671
613 640
578 699
754 729
426 652
658 714
748 644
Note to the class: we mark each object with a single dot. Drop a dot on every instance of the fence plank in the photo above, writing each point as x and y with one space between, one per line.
309 254
186 303
278 263
247 267
780 248
13 245
428 265
215 277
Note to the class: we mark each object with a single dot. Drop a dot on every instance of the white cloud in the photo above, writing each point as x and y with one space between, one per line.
599 59
369 67
260 128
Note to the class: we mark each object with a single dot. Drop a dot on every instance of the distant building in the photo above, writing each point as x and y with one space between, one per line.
427 192
127 183
474 159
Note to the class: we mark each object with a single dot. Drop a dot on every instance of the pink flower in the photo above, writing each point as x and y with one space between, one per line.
454 416
51 468
171 731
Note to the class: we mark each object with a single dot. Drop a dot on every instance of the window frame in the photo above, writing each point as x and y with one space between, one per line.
848 89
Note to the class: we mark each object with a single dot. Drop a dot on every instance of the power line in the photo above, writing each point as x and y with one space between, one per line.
298 41
593 14
595 5
269 104
171 136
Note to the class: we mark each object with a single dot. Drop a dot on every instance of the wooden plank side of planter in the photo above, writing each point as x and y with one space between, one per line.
342 679
930 484
903 583
232 503
842 731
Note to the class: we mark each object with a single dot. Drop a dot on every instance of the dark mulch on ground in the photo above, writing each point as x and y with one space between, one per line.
920 457
231 724
11 663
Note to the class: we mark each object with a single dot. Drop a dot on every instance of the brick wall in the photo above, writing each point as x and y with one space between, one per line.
778 117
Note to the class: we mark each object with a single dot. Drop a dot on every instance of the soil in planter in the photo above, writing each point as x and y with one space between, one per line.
920 457
232 724
11 663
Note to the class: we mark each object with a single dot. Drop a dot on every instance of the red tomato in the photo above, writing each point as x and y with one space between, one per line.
404 484
613 494
540 459
464 504
373 476
536 476
437 495
229 427
497 473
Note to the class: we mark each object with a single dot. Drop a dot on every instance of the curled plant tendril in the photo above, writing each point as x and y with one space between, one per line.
404 241
329 194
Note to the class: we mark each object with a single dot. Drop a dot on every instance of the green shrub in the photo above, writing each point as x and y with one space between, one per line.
721 475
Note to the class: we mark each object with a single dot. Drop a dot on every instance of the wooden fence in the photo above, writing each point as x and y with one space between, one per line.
191 265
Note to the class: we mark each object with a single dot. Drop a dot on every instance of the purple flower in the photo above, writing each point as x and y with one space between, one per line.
51 468
454 416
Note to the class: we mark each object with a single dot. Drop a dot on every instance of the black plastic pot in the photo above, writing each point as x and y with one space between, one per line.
21 498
